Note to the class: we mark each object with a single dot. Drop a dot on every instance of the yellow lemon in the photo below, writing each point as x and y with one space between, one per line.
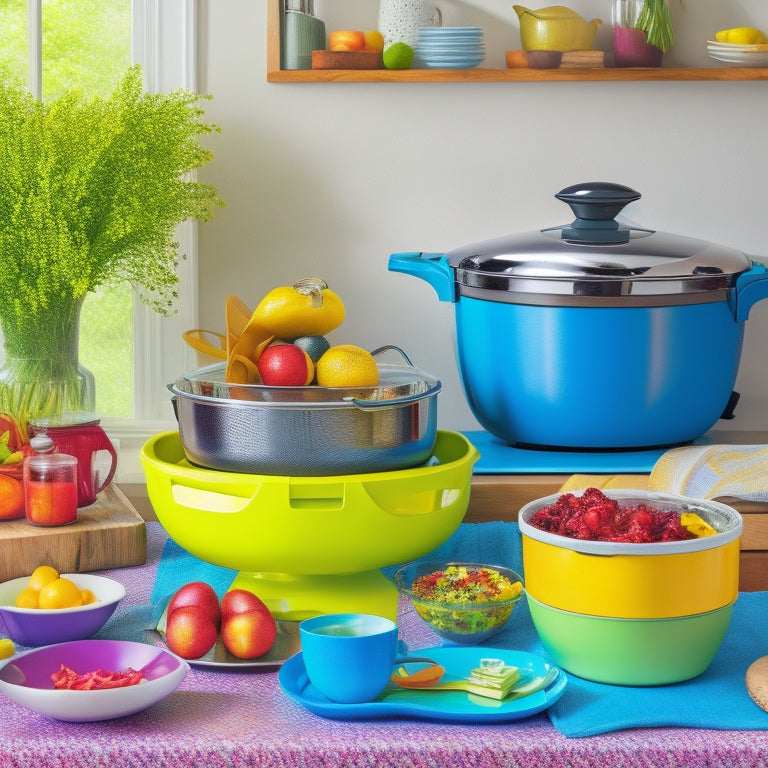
27 598
374 40
7 648
742 36
42 575
346 365
61 593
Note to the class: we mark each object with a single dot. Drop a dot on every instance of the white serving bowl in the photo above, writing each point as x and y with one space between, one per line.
26 679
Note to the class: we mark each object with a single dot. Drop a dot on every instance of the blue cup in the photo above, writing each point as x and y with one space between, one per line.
349 656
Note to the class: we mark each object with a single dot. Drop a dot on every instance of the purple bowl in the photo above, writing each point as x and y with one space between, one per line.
26 679
36 626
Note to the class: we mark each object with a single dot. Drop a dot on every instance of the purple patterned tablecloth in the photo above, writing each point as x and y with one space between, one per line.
233 720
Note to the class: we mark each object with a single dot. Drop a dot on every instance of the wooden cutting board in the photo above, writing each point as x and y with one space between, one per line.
108 534
347 60
555 59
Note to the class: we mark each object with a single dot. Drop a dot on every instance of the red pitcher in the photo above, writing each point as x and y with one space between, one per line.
96 457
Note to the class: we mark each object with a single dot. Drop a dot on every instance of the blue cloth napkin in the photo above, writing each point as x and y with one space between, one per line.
178 567
718 699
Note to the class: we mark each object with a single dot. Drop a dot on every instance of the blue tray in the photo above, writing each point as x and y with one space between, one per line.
452 706
500 458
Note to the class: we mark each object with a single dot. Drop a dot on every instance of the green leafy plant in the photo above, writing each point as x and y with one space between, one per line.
655 21
91 192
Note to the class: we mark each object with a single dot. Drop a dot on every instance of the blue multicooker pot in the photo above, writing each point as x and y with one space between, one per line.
596 335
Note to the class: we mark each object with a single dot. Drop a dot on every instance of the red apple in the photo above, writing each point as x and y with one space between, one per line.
346 40
189 632
200 594
240 601
249 635
285 365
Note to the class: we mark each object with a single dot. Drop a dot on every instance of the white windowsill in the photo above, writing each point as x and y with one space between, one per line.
132 434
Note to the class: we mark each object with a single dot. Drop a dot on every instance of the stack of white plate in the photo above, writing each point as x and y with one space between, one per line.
449 47
743 55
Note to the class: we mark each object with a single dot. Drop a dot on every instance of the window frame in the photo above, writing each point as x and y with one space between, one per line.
164 41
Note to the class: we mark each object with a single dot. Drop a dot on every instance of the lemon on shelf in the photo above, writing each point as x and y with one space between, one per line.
742 36
374 40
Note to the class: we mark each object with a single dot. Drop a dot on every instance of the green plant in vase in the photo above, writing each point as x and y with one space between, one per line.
91 192
655 21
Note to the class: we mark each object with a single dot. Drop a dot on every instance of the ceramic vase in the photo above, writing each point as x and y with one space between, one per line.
400 20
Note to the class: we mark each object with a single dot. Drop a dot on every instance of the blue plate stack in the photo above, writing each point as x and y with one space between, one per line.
449 47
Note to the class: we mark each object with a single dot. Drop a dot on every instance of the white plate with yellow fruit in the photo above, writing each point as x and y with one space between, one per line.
745 46
47 607
236 632
743 55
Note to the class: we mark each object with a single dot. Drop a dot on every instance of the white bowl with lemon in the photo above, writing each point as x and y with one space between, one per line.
47 607
744 46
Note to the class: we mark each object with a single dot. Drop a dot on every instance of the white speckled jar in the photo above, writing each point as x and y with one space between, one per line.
400 20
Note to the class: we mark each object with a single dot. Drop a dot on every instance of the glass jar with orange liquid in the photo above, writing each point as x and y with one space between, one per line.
50 485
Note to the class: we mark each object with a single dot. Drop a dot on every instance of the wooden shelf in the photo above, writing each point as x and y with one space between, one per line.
513 75
480 75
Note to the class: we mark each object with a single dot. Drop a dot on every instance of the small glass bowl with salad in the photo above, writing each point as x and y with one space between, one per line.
465 603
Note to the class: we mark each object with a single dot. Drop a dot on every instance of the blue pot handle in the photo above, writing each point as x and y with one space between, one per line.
751 287
432 267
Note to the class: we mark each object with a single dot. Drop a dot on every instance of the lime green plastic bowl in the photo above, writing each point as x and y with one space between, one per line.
630 651
309 525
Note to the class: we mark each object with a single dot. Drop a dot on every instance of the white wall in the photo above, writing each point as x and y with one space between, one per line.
329 179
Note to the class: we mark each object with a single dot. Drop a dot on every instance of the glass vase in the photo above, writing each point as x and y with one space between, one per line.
630 45
41 377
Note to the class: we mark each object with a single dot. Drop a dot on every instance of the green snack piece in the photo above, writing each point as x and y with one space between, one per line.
398 56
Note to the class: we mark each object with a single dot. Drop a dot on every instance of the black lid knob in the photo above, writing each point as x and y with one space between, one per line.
597 200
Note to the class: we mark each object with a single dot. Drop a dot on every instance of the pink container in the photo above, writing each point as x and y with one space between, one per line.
630 49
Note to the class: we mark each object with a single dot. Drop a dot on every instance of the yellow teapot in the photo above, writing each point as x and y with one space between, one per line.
555 28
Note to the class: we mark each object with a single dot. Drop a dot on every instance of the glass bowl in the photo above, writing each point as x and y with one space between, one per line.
465 603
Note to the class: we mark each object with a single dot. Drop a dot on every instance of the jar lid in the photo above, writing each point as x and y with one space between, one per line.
41 444
597 254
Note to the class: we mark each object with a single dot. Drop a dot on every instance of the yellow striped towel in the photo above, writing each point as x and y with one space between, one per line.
707 472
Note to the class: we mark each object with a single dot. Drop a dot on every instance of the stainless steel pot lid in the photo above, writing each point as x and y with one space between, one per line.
598 255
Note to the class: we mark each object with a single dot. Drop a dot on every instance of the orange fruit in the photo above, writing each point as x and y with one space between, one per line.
11 497
87 596
346 365
60 593
42 575
27 598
